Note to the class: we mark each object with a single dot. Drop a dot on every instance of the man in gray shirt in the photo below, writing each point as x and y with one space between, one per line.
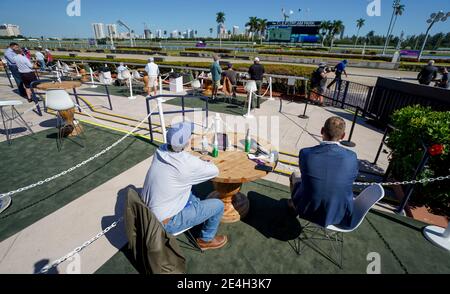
167 189
10 55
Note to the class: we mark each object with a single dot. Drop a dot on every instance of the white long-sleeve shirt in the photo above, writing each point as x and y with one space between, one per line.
23 64
170 179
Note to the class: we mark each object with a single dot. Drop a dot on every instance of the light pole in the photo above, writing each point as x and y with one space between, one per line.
395 4
434 18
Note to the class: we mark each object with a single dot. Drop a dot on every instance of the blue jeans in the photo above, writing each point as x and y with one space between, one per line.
207 212
42 64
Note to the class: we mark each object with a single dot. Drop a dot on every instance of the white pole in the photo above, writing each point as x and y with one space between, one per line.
161 118
270 90
76 69
92 78
131 88
250 98
160 85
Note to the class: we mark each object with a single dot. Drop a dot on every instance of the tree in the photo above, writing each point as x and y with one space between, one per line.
398 11
211 30
262 27
220 19
359 24
325 29
253 25
337 28
370 36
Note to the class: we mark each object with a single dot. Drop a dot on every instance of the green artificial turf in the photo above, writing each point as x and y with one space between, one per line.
34 158
262 243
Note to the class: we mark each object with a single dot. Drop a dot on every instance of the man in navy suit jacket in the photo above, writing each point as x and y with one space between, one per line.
323 194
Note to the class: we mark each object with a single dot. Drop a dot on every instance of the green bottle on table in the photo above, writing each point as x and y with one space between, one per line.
215 152
248 142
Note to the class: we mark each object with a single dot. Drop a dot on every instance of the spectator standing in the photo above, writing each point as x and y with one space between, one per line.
339 70
256 72
10 55
152 70
25 68
216 74
232 76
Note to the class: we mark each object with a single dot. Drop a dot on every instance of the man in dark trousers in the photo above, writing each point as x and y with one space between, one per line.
323 194
427 74
10 55
339 70
256 72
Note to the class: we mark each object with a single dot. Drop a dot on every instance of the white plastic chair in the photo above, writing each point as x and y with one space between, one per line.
365 201
250 88
59 100
15 116
105 78
196 87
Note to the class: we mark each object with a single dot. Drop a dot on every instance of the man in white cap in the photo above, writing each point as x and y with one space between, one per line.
256 72
319 83
152 70
167 189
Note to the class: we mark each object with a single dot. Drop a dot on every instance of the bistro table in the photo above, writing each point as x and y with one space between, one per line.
67 115
235 170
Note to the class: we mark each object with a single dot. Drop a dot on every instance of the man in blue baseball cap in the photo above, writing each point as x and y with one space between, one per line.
339 70
167 189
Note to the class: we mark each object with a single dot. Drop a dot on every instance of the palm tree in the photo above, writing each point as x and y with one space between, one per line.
211 30
398 12
325 29
220 19
337 28
253 25
359 24
262 26
369 36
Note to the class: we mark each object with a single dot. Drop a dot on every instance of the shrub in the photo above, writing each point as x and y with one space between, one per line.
415 124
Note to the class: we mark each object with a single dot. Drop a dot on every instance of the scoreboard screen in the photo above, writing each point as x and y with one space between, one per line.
294 31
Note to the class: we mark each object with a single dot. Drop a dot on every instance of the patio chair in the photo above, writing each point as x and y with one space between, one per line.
196 87
59 100
15 116
335 234
123 77
105 78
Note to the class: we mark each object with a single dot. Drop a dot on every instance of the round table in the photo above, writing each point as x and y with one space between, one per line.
73 129
235 169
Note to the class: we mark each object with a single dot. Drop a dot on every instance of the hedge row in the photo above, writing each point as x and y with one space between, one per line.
275 69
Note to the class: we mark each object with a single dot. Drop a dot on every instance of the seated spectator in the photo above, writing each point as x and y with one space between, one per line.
443 82
232 76
167 189
323 194
40 58
49 57
26 71
427 74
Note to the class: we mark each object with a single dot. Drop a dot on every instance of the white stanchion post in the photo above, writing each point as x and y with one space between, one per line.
92 79
161 118
270 90
76 69
131 88
438 236
250 98
160 85
58 77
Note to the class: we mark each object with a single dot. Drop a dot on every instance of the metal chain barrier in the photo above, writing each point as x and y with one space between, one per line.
404 183
40 183
80 248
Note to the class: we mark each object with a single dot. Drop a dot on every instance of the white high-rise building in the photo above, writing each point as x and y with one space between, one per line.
9 30
235 30
191 34
99 30
159 34
112 30
174 34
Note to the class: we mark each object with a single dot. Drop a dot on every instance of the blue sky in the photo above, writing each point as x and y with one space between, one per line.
49 18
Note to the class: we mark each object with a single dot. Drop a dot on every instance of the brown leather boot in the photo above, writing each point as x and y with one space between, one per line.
217 243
